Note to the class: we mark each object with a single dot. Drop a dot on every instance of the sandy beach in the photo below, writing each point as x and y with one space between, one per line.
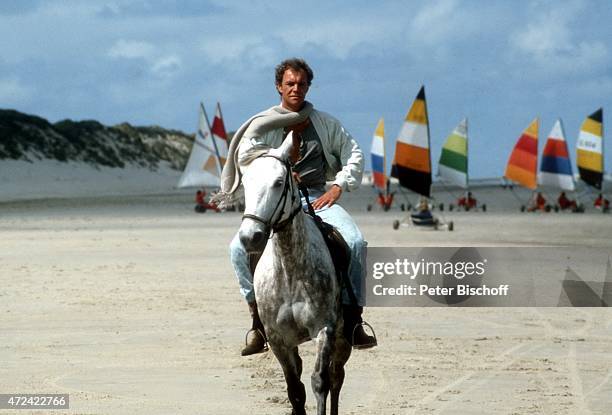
128 303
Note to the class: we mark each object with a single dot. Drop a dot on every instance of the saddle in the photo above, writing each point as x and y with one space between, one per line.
340 253
338 249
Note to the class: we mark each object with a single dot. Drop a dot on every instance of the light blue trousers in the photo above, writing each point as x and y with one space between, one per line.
334 215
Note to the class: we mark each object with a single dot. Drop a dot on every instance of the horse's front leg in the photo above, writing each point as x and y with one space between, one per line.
291 363
320 376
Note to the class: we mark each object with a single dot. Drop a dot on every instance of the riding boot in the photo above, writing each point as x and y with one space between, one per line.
353 328
256 336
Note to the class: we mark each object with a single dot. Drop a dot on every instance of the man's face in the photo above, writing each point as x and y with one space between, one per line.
293 89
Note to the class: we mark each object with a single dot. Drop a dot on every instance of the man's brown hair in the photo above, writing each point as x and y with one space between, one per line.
297 64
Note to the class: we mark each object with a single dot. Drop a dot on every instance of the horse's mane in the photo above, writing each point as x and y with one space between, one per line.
251 154
225 200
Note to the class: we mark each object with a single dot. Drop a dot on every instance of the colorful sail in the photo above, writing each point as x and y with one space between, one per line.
589 157
453 165
203 167
412 163
379 161
523 163
219 135
555 167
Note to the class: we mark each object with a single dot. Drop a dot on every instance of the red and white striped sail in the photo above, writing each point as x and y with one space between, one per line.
219 135
555 167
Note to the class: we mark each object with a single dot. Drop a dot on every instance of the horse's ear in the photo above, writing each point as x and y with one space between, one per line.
285 151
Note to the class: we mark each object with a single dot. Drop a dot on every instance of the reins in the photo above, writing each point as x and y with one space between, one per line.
327 230
270 224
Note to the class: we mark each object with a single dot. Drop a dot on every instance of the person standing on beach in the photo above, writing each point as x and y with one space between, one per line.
326 152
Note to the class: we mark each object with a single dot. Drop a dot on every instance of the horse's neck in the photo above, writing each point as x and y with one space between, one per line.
292 242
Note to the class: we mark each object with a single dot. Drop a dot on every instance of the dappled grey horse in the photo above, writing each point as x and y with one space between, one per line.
295 283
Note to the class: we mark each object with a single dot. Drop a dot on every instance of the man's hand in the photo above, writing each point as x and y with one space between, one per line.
296 177
328 198
297 138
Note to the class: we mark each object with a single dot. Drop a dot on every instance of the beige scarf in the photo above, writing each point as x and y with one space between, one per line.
256 126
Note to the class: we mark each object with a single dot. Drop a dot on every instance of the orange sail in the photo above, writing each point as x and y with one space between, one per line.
412 163
523 163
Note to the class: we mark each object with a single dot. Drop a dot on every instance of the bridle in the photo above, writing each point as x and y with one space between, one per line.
289 188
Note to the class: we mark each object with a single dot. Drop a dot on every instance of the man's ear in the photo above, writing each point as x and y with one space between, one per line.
285 150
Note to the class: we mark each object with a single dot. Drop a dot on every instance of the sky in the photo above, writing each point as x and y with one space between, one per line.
146 62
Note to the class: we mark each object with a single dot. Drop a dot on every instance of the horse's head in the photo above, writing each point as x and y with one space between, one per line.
270 194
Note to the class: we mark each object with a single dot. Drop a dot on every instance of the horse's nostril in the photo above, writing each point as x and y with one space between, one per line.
257 237
253 241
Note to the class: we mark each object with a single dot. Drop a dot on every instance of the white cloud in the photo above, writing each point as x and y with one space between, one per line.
166 66
339 37
436 22
551 44
227 48
253 51
543 39
161 66
131 49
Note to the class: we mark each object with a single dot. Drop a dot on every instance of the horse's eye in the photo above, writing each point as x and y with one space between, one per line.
278 183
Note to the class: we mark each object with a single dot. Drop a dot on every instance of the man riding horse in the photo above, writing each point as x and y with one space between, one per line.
326 152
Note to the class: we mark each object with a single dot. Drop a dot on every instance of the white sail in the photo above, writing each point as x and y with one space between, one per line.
555 167
453 164
203 167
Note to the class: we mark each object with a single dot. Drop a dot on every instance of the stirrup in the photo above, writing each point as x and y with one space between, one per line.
364 346
265 345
